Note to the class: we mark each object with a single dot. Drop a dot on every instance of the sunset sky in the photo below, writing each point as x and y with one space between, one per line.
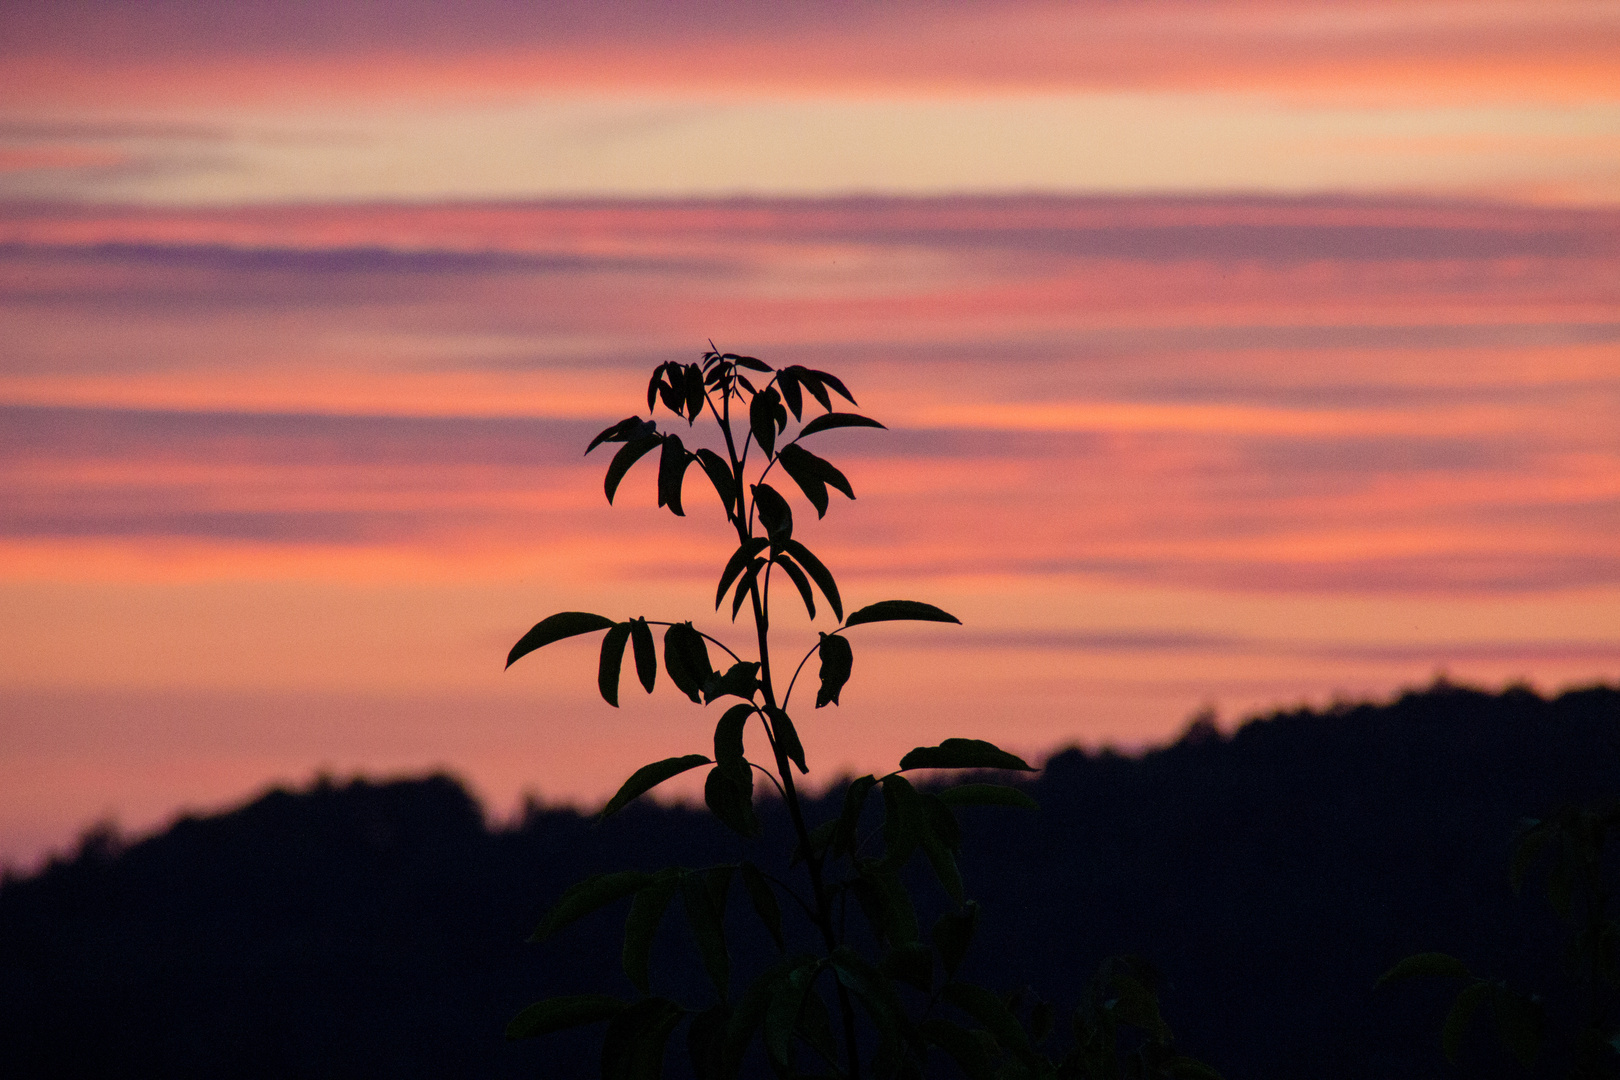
1233 355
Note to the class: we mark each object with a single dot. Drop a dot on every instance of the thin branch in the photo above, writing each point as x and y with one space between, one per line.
789 695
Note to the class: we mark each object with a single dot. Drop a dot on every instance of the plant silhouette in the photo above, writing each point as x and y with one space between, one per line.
893 988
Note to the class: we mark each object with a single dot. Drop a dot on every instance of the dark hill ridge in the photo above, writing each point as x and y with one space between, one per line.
365 929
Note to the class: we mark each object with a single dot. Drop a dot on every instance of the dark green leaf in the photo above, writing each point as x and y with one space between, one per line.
633 1048
953 933
630 453
594 892
624 430
654 385
694 392
787 737
837 661
707 921
837 420
607 670
987 795
1426 965
641 925
892 610
560 1013
774 513
1519 1023
646 653
734 566
749 1014
989 1010
748 362
782 1014
1469 999
889 904
764 901
728 742
745 585
818 573
719 474
672 465
1182 1067
554 628
800 582
815 1025
902 831
706 1043
762 418
1040 1021
648 777
741 680
686 659
673 390
849 820
814 385
876 991
911 963
732 802
943 862
963 754
959 1044
787 381
810 471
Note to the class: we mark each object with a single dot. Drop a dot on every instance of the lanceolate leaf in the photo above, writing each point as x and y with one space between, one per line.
686 658
641 926
560 1013
740 679
587 896
787 737
762 419
732 802
728 742
554 628
748 362
900 610
837 660
987 795
818 573
719 474
607 672
800 581
962 1047
988 1009
694 392
774 513
625 429
734 566
1468 1001
963 754
813 475
648 777
746 584
641 640
833 381
705 914
953 933
764 901
849 820
672 466
630 453
787 381
1426 965
831 420
633 1048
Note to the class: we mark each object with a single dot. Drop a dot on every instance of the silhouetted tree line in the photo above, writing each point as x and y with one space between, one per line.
376 929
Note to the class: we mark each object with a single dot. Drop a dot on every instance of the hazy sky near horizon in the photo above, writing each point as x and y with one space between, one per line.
1233 354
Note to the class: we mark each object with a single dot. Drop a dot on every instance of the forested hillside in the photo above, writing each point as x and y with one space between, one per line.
364 929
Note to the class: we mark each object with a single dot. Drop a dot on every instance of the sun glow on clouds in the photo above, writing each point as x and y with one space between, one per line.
301 351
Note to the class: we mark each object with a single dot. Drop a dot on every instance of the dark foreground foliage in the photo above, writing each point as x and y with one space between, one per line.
366 929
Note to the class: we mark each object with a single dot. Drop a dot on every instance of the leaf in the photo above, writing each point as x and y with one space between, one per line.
960 1046
633 1048
564 624
741 680
630 453
607 672
1519 1023
648 777
673 388
1425 965
750 1011
748 362
813 475
728 742
911 963
764 901
641 926
901 829
594 892
774 513
787 381
732 802
963 754
833 381
800 582
561 1013
896 920
831 420
686 659
672 466
989 1010
746 585
707 921
706 1043
694 392
893 610
849 820
875 990
1182 1067
787 737
818 573
625 429
762 418
814 385
1469 999
719 474
646 653
734 565
782 1014
953 933
837 661
943 862
987 795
